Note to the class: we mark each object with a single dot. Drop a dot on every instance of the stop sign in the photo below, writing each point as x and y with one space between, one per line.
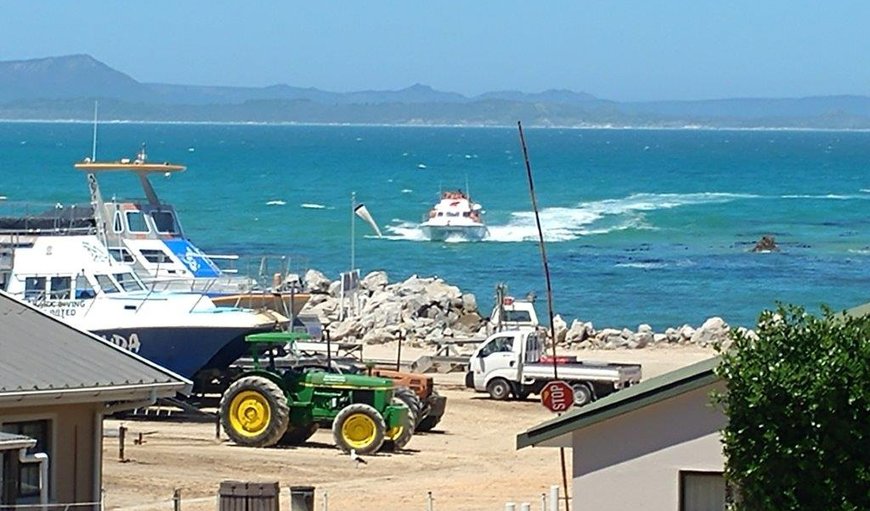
557 396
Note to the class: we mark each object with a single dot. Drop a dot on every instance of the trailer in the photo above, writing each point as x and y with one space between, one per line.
509 364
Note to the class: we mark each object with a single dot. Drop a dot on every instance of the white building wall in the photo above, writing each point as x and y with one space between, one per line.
632 462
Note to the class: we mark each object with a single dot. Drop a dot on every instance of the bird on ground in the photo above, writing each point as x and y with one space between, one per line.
356 457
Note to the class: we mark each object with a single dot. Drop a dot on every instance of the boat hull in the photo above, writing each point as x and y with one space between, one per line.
184 350
457 232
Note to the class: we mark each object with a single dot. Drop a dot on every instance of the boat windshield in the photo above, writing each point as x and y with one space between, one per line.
129 282
107 284
165 222
122 255
136 222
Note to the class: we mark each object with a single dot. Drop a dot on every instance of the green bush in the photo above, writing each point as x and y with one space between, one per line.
798 403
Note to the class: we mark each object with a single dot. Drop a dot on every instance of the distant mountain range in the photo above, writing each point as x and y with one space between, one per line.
65 88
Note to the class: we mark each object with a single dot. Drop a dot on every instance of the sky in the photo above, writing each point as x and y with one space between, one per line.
625 50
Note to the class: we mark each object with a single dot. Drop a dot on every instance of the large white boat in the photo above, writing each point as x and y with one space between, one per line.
73 278
455 216
147 234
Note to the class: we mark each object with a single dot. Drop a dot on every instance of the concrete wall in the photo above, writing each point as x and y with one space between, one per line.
633 461
76 448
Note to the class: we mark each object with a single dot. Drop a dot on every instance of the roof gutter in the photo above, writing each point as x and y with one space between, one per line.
88 394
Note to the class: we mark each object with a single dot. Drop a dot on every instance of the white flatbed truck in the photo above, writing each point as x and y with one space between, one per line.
508 364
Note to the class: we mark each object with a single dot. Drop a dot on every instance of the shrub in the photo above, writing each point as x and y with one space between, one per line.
798 403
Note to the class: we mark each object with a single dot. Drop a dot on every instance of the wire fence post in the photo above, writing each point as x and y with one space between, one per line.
176 500
122 437
543 502
429 501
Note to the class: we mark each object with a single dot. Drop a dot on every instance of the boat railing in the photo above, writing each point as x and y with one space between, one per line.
217 258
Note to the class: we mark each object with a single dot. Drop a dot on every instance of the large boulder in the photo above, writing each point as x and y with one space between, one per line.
711 333
375 281
316 282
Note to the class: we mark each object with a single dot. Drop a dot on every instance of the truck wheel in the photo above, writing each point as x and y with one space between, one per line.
298 434
499 389
582 394
254 412
409 398
359 427
397 438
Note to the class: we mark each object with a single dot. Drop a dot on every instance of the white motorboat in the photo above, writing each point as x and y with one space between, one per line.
455 216
147 234
73 278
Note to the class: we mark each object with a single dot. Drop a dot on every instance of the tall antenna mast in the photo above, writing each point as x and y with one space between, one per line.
549 291
94 149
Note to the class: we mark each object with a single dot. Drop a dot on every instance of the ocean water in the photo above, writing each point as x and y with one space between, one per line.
642 226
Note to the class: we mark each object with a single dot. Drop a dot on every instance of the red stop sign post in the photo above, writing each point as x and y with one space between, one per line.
557 396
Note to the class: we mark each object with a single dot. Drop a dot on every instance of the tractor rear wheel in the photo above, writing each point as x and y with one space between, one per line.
360 428
409 398
429 421
395 439
254 412
298 434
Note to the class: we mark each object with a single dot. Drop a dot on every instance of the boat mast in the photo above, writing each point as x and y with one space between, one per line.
94 149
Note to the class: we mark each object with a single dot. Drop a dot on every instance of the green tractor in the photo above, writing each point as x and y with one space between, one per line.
266 405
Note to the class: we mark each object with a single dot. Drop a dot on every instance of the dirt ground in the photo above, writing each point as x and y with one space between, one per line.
469 462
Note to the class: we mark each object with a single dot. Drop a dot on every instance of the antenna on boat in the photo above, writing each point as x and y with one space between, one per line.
94 148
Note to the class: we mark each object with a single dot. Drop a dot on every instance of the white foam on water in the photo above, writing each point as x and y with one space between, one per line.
407 190
309 205
642 266
2 197
405 231
829 196
276 203
421 165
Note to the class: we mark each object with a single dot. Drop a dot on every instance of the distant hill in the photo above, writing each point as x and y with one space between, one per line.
66 87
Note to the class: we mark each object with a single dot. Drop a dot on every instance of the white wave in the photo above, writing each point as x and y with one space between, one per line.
830 196
276 203
421 165
642 266
3 197
407 190
864 190
405 231
860 251
309 205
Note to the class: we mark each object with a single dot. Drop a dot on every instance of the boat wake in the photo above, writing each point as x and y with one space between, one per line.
585 219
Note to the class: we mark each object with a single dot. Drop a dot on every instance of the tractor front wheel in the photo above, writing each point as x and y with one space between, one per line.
359 428
254 412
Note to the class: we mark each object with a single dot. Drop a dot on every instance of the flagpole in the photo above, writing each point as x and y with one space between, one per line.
352 240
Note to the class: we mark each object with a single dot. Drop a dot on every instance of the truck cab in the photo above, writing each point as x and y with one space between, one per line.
502 356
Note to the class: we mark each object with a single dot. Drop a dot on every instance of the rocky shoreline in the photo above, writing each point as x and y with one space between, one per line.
423 310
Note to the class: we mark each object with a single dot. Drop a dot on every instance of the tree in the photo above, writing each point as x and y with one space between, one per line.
798 407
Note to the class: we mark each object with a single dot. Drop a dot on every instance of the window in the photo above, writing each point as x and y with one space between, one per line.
517 316
117 224
28 473
155 256
129 282
84 289
60 288
34 288
164 221
702 491
122 255
136 222
497 345
106 284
